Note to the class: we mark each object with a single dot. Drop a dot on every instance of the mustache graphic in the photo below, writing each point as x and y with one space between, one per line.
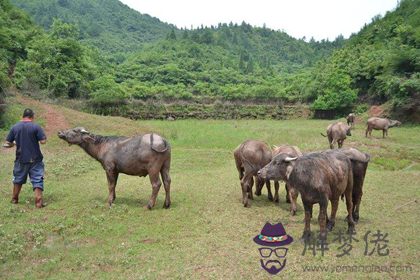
273 270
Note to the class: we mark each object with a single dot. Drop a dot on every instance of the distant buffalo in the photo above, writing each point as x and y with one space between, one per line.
337 133
380 124
251 156
140 155
351 119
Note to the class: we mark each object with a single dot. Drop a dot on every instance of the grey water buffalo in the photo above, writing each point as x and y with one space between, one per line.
140 155
291 193
337 133
251 156
351 119
319 177
359 161
380 124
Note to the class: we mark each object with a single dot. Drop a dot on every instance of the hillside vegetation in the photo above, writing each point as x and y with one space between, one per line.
228 63
106 24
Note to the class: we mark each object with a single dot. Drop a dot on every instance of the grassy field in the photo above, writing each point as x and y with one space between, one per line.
206 233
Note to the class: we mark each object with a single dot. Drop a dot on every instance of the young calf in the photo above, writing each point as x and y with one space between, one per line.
318 177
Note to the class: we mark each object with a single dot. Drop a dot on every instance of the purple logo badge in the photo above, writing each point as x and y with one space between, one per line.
272 240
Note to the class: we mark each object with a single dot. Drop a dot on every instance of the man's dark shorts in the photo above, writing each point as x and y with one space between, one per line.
35 171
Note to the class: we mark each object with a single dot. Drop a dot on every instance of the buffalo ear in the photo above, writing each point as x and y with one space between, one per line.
289 170
88 138
274 147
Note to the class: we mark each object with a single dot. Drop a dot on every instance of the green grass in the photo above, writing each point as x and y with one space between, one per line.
206 233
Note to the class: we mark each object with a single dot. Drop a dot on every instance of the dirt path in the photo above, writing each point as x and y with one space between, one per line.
54 119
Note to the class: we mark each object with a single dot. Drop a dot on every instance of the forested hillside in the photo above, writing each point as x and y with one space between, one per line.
107 24
381 63
228 63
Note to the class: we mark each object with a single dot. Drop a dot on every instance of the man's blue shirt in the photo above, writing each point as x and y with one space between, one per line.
27 134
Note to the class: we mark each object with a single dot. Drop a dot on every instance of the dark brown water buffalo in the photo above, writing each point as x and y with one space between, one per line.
291 193
250 157
319 177
351 119
380 124
359 162
140 155
336 133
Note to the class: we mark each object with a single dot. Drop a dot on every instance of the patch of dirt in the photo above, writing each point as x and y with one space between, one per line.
376 111
54 119
148 241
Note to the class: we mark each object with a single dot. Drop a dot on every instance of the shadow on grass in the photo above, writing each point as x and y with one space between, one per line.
134 202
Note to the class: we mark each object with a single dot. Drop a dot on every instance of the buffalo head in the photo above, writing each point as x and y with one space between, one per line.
279 169
76 136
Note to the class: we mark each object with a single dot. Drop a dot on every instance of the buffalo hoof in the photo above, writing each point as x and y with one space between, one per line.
257 193
147 207
356 218
293 212
270 197
247 205
330 226
288 199
166 206
277 200
14 201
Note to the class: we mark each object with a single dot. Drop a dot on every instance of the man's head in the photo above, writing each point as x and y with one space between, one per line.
28 114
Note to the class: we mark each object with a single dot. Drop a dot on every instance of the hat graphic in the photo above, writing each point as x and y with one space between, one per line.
273 236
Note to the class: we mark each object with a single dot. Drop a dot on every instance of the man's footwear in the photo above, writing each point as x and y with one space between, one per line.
38 198
15 195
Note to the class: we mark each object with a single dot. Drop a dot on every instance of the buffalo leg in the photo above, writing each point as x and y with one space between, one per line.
249 189
334 207
383 133
308 215
276 191
246 180
112 178
268 185
166 178
286 186
156 183
258 186
322 217
293 194
349 203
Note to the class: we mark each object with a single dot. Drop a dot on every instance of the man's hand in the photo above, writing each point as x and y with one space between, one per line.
8 144
43 141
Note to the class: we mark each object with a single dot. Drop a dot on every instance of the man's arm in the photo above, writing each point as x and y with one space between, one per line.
42 138
9 139
8 144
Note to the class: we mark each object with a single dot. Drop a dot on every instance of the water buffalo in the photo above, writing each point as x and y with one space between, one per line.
351 119
140 155
359 161
336 133
291 193
380 124
250 157
318 177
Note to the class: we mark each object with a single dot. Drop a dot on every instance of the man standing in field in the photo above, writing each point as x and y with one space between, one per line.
27 135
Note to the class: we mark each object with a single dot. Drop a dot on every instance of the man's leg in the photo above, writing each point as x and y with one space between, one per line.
16 191
36 174
20 175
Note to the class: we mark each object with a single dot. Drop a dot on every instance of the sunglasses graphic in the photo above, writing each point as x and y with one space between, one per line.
266 252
